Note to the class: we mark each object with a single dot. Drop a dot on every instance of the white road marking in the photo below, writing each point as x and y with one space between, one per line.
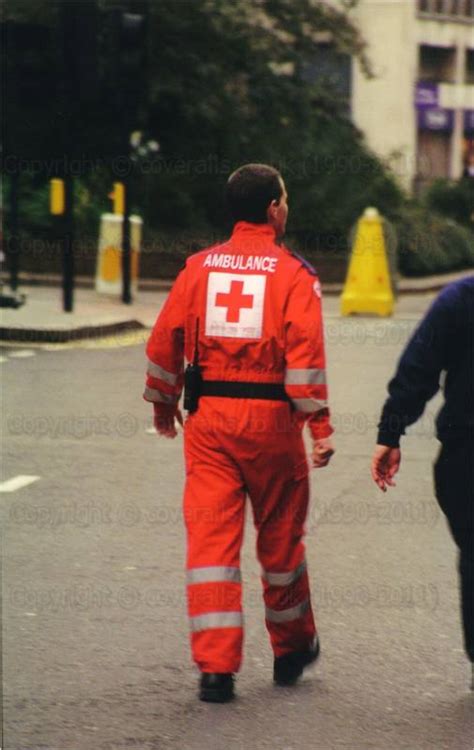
16 483
23 353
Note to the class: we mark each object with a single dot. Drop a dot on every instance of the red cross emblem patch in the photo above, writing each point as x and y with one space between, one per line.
235 305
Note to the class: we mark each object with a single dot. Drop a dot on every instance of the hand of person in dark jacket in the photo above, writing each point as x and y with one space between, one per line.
385 464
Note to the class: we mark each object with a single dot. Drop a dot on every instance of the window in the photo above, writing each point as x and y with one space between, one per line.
455 9
436 64
469 76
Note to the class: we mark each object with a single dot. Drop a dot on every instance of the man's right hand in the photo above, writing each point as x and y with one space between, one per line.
164 419
385 464
323 449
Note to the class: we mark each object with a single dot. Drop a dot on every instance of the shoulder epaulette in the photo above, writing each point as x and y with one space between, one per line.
305 263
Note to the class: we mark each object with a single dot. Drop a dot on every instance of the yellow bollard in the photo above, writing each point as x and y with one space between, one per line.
117 196
368 288
108 279
56 197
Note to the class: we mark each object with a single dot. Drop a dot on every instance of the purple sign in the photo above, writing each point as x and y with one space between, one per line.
426 94
435 119
468 120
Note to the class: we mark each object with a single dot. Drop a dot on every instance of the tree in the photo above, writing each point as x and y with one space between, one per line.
227 88
227 83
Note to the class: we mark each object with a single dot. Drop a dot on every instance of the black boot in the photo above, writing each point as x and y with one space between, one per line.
216 688
287 668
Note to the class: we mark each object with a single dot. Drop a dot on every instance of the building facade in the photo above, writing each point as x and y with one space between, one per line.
417 112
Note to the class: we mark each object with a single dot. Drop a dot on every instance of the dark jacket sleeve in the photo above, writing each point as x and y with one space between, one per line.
417 377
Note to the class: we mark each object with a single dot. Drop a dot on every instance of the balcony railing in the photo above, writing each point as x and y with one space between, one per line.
449 10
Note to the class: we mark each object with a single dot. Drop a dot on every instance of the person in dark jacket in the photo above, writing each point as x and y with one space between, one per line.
444 341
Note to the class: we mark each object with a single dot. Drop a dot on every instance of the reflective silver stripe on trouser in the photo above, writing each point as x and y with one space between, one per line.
213 574
152 394
159 372
284 579
216 620
311 376
309 405
287 615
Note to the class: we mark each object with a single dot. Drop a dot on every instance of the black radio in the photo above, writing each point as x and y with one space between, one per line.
193 379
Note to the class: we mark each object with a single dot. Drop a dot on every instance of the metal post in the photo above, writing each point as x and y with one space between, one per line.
131 63
13 243
126 245
68 19
68 245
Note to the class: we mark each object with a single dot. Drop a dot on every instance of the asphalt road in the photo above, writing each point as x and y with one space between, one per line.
95 641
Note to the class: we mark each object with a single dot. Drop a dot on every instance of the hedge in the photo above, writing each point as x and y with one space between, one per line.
429 243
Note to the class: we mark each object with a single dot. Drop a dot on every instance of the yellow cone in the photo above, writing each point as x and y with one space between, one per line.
368 288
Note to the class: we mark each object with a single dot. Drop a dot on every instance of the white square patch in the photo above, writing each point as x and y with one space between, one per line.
235 305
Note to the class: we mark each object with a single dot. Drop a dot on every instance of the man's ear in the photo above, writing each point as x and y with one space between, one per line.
273 207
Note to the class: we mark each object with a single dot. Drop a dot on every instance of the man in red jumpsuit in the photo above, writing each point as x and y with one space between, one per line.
249 312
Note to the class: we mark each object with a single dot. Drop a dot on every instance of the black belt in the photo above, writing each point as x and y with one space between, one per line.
235 389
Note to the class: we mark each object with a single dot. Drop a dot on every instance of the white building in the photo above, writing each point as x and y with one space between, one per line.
417 113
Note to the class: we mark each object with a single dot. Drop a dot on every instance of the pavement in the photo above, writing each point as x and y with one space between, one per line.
95 635
41 319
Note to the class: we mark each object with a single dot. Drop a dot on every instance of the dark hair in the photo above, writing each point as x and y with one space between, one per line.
250 190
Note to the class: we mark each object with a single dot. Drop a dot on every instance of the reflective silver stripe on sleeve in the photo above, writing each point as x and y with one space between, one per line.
311 376
216 620
158 372
309 405
213 574
287 615
151 394
284 579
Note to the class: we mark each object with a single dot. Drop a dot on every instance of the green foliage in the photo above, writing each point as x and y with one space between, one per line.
335 180
429 244
219 98
453 199
225 87
30 11
34 203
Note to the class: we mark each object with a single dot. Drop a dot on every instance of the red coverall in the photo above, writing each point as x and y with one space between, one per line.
259 311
